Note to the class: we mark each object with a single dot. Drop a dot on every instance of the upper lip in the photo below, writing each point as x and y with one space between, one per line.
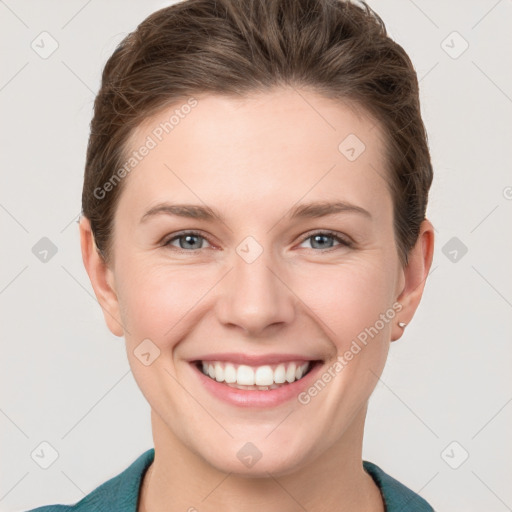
254 359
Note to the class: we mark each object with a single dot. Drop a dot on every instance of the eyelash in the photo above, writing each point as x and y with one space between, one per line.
342 241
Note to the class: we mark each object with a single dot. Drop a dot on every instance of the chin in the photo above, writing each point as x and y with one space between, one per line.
256 460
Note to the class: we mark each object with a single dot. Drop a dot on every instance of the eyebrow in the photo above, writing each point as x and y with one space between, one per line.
309 210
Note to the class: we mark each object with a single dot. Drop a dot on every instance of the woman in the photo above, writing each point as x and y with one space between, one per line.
254 225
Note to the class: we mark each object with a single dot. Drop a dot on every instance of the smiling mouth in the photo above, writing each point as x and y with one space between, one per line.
260 378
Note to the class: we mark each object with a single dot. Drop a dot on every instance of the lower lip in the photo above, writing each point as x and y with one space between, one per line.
255 398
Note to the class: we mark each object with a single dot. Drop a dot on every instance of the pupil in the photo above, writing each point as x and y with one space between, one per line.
189 239
320 237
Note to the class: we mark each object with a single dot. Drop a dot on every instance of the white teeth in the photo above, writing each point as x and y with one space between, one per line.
280 374
229 374
245 375
219 372
290 373
262 377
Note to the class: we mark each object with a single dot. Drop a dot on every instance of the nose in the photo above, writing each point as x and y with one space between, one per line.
254 296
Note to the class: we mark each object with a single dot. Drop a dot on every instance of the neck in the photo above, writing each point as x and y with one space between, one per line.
179 479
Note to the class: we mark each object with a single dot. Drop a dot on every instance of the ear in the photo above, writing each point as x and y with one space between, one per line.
101 277
415 274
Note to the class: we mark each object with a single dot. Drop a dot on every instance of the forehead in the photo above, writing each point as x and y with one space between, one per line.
254 150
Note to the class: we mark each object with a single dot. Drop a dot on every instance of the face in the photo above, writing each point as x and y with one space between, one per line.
261 282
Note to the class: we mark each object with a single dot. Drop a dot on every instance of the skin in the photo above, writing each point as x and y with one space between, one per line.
253 159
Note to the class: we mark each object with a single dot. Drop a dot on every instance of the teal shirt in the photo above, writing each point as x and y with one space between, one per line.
121 492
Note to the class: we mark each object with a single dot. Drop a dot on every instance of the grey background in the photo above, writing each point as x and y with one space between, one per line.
65 379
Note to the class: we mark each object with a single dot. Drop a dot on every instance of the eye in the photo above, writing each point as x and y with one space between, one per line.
320 238
192 240
188 241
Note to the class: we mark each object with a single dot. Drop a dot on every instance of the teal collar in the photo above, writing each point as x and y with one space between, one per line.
122 491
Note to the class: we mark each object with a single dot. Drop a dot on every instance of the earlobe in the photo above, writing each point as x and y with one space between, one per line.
101 277
415 274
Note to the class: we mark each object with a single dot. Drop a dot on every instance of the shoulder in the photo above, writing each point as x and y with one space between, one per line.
119 493
396 495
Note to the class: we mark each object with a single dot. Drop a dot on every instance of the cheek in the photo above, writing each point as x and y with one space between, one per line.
155 301
158 301
348 299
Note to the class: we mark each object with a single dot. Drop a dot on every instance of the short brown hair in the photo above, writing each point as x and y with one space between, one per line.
234 47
